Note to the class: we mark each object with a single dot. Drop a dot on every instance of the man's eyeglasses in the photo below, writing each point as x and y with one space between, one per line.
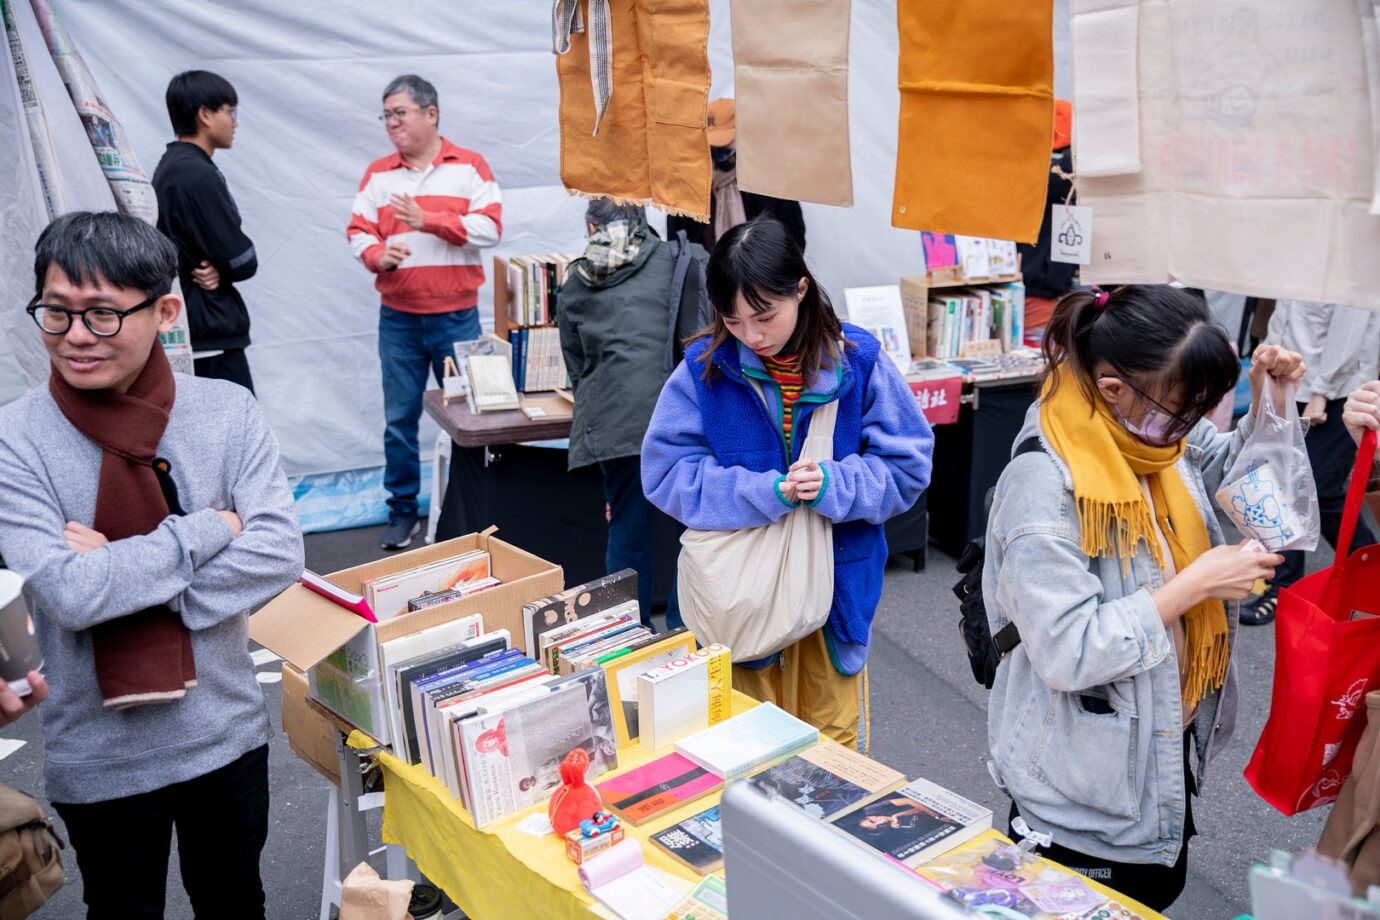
101 321
397 114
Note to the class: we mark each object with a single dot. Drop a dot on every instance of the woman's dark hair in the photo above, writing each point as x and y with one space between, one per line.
122 250
760 259
1147 333
192 89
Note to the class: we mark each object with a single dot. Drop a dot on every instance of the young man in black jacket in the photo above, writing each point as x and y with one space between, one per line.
196 212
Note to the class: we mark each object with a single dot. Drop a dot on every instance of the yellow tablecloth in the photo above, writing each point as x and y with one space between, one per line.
487 872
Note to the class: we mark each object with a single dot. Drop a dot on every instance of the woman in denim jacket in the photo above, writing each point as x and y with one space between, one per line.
1104 549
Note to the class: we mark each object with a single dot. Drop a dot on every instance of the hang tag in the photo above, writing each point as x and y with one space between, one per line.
1024 830
1070 234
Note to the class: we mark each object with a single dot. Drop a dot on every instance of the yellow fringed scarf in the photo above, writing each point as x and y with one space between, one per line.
1105 460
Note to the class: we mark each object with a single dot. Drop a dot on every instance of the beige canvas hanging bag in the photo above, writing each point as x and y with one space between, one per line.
761 589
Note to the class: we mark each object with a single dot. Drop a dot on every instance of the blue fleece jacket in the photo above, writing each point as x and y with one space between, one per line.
714 458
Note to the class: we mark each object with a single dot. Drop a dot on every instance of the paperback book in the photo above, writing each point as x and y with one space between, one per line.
622 672
829 780
388 595
654 789
746 743
696 842
576 603
684 695
916 823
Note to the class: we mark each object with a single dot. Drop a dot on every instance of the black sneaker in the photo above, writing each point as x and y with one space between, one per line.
402 527
1260 611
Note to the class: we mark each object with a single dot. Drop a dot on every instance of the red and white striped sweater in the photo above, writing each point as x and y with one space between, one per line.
464 212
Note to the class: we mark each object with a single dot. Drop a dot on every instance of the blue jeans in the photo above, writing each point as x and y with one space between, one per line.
630 533
411 345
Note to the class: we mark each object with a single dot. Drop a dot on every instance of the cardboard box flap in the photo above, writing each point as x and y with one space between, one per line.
303 627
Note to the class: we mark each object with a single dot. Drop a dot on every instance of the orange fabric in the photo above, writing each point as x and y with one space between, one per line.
652 147
1063 124
977 102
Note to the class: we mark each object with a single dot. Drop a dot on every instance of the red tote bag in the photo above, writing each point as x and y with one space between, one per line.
1327 656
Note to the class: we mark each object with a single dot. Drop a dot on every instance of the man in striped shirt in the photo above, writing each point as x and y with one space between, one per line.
421 216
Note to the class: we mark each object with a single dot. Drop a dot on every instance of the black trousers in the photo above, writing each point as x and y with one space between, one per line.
1154 885
1331 452
229 365
122 845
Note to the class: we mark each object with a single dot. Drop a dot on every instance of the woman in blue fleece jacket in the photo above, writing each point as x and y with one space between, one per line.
719 457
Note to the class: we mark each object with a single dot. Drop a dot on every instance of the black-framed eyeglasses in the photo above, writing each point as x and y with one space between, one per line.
101 321
1183 424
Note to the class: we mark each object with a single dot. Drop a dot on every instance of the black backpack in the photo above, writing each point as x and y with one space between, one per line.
985 651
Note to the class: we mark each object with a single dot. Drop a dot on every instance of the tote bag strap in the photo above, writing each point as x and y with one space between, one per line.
1355 494
822 421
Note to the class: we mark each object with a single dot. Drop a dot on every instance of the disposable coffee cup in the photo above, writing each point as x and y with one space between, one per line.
19 652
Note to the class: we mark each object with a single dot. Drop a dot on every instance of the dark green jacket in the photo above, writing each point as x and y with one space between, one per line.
615 335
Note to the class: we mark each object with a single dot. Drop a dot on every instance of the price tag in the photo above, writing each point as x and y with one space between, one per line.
1070 234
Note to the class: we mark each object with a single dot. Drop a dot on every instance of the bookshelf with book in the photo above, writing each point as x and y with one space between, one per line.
525 289
969 302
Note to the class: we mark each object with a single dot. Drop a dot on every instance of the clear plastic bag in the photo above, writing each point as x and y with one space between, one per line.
1268 492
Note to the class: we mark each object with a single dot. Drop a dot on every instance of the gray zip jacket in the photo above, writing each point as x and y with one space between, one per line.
224 457
1112 785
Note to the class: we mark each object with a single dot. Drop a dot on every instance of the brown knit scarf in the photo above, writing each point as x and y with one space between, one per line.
146 656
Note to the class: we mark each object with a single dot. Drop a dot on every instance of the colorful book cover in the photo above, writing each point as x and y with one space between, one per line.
917 822
748 742
940 250
622 675
697 842
513 756
829 779
652 790
709 901
576 603
388 596
991 870
684 695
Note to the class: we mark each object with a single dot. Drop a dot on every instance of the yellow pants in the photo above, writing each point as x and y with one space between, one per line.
806 684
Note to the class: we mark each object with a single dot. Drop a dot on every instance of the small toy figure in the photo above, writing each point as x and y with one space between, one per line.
575 800
601 823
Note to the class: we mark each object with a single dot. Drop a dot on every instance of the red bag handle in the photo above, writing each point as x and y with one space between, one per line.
1355 493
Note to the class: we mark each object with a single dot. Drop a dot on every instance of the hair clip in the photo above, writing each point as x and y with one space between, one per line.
1100 298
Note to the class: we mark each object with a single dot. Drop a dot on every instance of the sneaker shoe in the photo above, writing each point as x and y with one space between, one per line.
1260 611
402 527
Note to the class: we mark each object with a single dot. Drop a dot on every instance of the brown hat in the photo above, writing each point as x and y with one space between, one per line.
721 123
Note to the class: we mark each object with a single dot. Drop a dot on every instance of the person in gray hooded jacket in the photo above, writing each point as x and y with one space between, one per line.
1104 550
624 312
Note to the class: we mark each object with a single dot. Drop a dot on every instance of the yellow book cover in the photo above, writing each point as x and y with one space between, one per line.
622 674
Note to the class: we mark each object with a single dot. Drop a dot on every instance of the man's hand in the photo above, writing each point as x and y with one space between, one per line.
206 276
1316 410
408 210
82 539
12 705
232 520
394 255
1362 410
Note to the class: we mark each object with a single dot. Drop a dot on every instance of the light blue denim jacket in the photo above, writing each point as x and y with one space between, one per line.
1111 786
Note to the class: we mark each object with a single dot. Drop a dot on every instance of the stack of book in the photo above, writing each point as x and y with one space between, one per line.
575 603
538 363
533 282
429 585
963 316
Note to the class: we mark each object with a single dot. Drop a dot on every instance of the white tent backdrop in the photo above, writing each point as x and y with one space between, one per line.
309 77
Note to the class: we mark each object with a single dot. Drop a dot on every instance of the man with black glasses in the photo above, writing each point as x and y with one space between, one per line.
196 212
147 512
420 219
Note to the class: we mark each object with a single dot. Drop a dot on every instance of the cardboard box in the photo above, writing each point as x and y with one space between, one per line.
310 736
338 650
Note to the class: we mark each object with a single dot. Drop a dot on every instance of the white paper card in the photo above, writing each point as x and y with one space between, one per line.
537 824
643 894
879 311
1070 234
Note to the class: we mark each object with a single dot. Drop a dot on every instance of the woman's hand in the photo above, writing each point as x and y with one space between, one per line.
806 479
1226 573
82 539
1284 366
1362 410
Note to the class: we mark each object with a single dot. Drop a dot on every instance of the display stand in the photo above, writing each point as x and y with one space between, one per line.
915 300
